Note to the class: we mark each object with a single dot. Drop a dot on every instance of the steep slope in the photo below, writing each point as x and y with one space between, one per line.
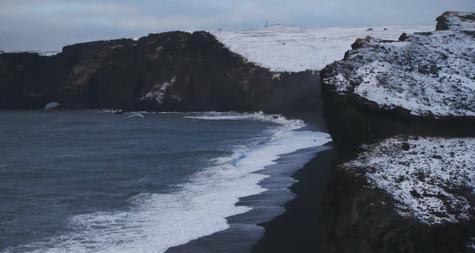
173 71
402 115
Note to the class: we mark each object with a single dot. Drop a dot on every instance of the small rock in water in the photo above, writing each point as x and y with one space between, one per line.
51 106
135 115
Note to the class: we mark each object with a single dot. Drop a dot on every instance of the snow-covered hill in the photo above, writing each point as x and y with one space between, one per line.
293 49
427 74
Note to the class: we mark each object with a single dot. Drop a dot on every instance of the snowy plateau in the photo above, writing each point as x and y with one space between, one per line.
293 49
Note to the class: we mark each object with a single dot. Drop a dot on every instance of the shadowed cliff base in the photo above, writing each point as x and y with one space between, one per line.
297 229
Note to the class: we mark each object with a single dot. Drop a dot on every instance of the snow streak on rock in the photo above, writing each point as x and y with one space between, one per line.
158 91
430 179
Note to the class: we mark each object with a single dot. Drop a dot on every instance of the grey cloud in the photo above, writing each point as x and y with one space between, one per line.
50 24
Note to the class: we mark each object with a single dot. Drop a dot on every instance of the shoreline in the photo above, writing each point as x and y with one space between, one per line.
250 231
296 230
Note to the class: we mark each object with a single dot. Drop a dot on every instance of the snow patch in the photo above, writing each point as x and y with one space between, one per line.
429 178
429 74
158 91
460 21
471 243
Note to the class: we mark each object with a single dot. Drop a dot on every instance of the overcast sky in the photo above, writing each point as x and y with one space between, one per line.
51 24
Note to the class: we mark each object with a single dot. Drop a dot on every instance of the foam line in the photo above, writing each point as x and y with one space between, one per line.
198 208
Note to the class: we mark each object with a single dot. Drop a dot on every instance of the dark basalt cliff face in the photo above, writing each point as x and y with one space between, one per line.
351 123
174 71
357 218
382 89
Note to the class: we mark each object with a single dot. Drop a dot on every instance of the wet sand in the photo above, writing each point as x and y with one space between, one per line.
296 230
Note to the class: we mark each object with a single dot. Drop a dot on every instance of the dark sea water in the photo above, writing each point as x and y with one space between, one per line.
88 181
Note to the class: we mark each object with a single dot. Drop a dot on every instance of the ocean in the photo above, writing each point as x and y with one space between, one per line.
95 181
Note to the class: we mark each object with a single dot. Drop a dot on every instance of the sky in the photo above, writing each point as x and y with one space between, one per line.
52 24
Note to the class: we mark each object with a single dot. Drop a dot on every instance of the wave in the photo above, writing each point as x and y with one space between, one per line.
198 208
273 118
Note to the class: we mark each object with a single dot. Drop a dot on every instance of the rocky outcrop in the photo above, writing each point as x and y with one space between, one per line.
422 84
358 218
174 71
402 115
451 20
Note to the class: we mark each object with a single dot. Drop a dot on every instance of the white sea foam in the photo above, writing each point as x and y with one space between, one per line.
274 118
198 208
131 115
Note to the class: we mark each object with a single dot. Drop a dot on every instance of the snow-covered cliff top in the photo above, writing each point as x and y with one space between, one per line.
293 49
428 74
429 178
456 21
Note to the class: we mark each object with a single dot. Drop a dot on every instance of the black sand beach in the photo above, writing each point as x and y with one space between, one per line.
280 227
296 229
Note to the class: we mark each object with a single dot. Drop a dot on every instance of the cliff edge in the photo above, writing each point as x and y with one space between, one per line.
173 71
402 115
422 84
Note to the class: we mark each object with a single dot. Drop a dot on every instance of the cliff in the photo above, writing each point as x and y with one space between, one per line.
402 115
174 71
422 84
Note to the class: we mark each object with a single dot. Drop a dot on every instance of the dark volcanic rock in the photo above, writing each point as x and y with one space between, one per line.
403 195
451 20
422 85
360 219
351 123
174 71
